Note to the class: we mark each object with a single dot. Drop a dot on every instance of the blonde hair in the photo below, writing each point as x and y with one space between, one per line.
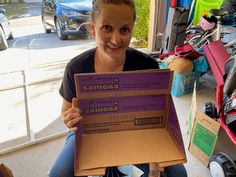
97 6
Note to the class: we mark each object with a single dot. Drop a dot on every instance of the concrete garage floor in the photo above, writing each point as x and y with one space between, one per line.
36 160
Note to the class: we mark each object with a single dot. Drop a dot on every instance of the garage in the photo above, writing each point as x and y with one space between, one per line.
31 91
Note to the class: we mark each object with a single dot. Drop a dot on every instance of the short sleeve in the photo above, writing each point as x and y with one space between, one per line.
83 63
67 89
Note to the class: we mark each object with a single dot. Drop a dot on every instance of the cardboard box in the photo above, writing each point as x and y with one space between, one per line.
203 131
128 118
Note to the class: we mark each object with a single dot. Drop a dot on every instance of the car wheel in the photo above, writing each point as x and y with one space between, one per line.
45 27
59 31
85 32
3 40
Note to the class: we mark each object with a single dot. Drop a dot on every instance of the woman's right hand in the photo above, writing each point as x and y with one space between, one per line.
155 170
71 116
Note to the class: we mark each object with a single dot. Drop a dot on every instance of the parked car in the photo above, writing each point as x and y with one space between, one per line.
66 17
5 30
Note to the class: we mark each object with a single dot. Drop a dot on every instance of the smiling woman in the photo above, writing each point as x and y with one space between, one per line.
112 24
66 17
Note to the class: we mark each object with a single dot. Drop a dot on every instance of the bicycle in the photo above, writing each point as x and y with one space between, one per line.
210 29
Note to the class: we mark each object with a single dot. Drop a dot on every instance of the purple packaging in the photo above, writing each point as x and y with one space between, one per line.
117 105
122 82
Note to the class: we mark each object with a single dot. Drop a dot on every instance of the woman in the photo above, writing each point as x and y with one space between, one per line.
112 23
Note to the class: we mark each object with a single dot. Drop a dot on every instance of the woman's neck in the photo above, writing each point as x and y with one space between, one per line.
107 64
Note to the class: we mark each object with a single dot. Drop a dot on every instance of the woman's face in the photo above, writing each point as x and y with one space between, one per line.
113 30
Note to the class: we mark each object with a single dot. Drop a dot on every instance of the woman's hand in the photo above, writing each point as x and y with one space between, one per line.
155 170
71 116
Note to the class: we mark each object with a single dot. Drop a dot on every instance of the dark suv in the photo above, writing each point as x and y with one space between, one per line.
67 17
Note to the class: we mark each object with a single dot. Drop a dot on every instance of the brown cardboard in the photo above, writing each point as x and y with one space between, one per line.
113 84
131 120
144 132
5 171
203 131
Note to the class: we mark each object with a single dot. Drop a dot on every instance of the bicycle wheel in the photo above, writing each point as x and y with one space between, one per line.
197 41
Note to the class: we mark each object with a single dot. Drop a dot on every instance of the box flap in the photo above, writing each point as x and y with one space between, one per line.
123 83
203 132
204 137
207 122
152 145
174 128
192 113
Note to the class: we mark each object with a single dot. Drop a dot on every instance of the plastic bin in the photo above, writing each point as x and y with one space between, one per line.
202 7
184 3
183 83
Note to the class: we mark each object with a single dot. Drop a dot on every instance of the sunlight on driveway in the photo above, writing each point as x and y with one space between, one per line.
30 48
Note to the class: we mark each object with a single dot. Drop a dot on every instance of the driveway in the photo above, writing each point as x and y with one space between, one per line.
31 44
30 49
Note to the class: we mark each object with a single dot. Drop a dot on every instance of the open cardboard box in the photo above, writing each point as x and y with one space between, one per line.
128 118
203 131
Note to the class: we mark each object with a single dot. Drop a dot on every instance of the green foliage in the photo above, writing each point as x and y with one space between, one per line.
17 9
142 22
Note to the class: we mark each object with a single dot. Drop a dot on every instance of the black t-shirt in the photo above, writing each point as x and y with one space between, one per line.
84 63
